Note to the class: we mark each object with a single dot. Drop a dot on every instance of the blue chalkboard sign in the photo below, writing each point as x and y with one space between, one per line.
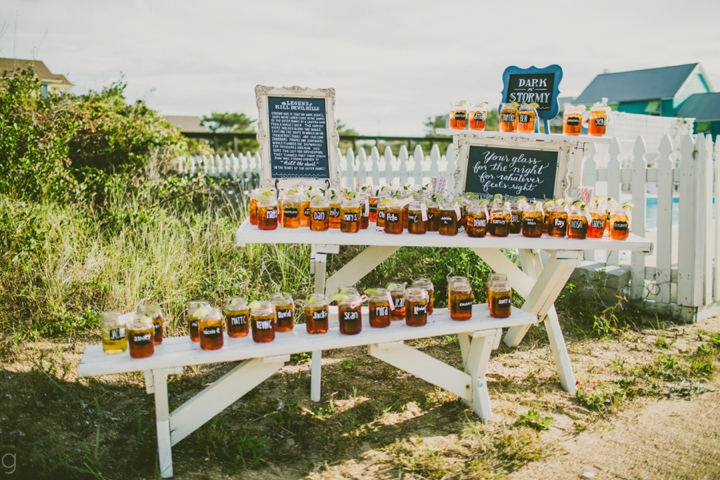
534 85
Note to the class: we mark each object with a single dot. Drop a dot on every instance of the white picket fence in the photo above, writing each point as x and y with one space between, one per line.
681 275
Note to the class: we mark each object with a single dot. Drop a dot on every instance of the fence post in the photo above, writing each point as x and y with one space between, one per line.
418 156
435 161
613 187
664 221
362 167
450 168
402 165
389 173
705 221
375 167
589 179
350 157
639 194
688 274
717 220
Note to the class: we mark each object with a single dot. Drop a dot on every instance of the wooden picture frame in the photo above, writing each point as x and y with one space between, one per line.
270 162
522 145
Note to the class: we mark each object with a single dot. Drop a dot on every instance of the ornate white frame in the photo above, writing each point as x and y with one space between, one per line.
563 147
262 93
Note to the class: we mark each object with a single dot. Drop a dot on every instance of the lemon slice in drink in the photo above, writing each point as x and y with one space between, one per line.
515 104
254 305
534 105
538 206
578 203
316 198
393 286
293 191
370 291
629 206
340 297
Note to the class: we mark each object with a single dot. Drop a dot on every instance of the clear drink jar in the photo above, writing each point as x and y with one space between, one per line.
284 311
237 317
262 319
210 329
113 332
158 317
140 336
499 296
416 306
317 314
427 285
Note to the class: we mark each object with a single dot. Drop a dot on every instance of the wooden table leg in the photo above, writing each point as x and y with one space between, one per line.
318 265
162 419
476 365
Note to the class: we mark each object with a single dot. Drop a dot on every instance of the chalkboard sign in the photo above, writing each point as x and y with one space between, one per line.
534 85
533 169
297 136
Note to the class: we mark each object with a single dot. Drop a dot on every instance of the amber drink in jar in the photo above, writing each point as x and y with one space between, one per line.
499 296
619 224
416 224
477 117
262 318
597 124
516 212
379 307
416 304
393 218
449 219
577 223
499 224
572 120
477 219
533 221
252 206
334 215
365 212
210 327
596 228
527 116
433 221
113 332
508 117
284 311
194 310
317 314
460 298
350 314
140 336
158 317
557 221
350 216
319 215
305 213
426 284
397 293
373 201
457 119
291 210
267 212
237 317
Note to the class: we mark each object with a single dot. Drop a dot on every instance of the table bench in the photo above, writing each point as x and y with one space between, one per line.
477 337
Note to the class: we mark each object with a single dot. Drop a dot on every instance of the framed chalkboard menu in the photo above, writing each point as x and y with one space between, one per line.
297 136
512 166
534 85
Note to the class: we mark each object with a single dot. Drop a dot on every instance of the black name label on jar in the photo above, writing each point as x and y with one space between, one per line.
577 224
284 313
319 216
414 218
574 121
373 208
460 115
419 309
212 332
446 219
498 221
238 320
306 211
391 217
479 222
117 334
560 222
508 117
382 311
399 302
291 212
530 222
320 315
350 217
193 324
598 224
271 214
524 118
431 216
504 301
620 225
514 218
264 325
141 338
479 116
465 304
599 122
157 326
334 212
351 315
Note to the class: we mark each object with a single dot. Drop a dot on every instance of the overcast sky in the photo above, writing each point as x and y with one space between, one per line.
392 63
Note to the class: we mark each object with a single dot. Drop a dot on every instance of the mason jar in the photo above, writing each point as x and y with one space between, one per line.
416 307
210 329
113 333
317 314
140 336
284 311
237 317
158 318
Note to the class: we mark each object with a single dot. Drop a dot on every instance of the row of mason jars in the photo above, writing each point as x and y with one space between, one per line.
141 331
476 217
522 118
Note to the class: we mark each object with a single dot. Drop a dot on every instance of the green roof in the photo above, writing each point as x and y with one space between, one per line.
702 107
637 85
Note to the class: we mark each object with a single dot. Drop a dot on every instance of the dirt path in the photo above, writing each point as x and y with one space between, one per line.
673 439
